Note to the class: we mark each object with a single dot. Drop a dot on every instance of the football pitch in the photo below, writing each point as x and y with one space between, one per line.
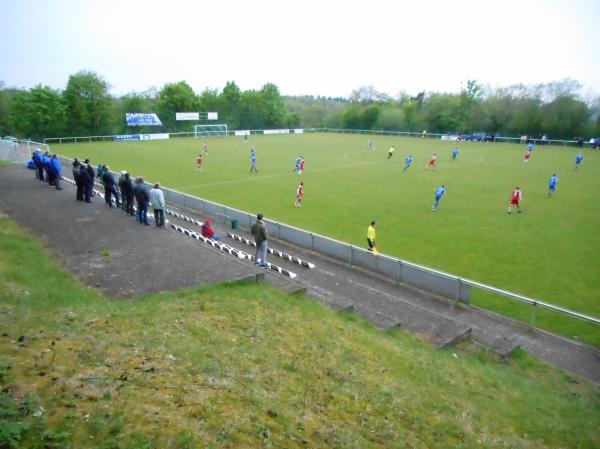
551 251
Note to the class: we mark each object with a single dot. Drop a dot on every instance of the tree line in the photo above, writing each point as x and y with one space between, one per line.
86 107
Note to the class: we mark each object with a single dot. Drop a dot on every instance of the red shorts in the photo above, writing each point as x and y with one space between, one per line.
514 202
431 162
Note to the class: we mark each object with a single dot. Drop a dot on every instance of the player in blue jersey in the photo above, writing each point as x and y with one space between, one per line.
253 164
407 162
578 160
530 146
439 192
297 165
552 184
454 153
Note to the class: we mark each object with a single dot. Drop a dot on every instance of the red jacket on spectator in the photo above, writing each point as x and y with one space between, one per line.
207 230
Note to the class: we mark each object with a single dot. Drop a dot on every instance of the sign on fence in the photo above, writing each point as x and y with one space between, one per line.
137 119
187 116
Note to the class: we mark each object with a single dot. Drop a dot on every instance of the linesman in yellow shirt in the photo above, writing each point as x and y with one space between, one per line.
371 237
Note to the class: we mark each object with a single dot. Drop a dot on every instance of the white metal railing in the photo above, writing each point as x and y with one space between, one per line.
77 139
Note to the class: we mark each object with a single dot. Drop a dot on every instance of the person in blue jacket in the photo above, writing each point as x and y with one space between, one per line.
47 168
39 166
56 171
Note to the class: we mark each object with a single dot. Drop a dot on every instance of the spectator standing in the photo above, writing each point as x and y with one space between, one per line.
48 168
127 194
157 199
77 179
90 183
56 171
141 196
121 183
259 231
87 181
110 187
39 166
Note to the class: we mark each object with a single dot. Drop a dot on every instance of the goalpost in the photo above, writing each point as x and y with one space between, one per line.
19 150
210 130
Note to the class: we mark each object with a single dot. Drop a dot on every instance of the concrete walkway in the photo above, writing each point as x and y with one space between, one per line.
141 259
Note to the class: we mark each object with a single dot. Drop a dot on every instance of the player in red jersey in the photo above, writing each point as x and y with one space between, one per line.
527 156
302 166
432 162
299 195
199 162
515 200
205 147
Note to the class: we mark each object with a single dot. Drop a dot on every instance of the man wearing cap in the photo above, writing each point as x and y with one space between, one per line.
157 199
259 231
56 169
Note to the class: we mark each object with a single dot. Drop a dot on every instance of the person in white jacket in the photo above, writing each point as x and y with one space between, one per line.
157 200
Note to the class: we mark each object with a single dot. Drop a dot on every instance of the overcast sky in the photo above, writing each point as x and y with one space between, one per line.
309 47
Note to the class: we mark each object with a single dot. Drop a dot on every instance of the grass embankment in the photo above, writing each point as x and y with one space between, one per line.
244 366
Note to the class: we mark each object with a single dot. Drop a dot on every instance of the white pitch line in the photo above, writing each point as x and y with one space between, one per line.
279 175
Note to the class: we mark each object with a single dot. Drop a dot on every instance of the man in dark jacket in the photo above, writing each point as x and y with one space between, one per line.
110 187
127 193
141 196
120 183
259 231
88 180
77 179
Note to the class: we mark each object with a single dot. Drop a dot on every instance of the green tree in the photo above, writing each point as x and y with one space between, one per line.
173 98
88 104
352 117
38 113
442 113
369 116
495 113
252 110
232 97
526 118
274 107
566 118
391 119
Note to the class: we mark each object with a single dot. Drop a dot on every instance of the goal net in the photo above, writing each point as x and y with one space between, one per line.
19 150
210 130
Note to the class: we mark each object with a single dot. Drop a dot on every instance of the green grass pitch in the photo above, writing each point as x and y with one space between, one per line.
551 251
